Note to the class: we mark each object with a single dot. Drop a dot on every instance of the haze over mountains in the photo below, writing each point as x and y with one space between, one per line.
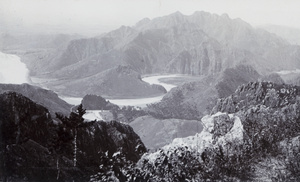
199 44
229 115
288 33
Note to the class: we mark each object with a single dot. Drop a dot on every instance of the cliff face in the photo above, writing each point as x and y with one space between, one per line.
29 143
200 44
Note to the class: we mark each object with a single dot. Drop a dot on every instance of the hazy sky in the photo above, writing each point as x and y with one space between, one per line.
92 17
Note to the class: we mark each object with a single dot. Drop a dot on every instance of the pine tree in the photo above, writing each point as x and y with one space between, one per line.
72 124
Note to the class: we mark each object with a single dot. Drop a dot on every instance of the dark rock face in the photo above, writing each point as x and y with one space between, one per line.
22 119
25 133
27 138
46 98
108 137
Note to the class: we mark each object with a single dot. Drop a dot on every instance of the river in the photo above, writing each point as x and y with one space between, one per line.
12 70
141 102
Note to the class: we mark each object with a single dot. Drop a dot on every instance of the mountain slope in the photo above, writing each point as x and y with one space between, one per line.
201 43
288 33
46 98
118 82
195 99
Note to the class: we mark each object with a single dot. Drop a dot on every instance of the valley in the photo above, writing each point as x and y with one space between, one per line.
198 97
140 102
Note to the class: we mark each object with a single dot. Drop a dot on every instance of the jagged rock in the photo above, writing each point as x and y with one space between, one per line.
27 148
222 125
254 93
21 119
218 130
108 137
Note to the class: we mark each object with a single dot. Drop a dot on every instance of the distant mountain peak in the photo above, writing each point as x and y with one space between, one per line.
177 13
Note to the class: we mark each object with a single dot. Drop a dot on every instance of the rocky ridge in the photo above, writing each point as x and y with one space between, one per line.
258 140
29 143
46 98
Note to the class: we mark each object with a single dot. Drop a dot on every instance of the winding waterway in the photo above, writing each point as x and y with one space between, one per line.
12 70
140 102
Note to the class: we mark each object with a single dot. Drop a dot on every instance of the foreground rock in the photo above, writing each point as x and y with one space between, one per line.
31 148
258 140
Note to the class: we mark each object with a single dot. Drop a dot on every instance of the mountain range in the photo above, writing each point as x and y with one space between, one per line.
198 44
249 114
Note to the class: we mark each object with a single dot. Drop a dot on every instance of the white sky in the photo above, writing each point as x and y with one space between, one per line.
92 17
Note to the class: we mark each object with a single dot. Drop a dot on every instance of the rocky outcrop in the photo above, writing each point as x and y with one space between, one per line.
21 119
46 98
258 93
29 143
218 130
108 137
259 139
222 125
